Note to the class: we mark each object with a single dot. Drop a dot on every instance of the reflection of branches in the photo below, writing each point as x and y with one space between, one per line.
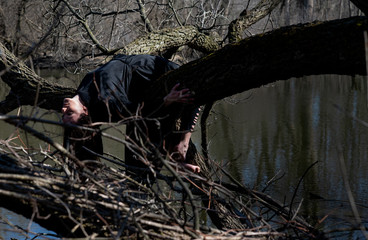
24 232
353 205
298 185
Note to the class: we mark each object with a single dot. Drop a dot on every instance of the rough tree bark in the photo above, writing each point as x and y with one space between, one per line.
249 17
24 82
161 41
318 48
27 88
334 47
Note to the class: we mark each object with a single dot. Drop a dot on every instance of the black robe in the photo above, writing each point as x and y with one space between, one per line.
113 92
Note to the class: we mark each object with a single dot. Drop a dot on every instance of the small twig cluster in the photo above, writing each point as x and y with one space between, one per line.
98 198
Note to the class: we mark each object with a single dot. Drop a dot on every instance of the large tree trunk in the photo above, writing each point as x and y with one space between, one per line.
318 48
335 47
27 88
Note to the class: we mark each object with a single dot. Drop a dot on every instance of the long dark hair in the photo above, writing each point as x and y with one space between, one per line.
84 144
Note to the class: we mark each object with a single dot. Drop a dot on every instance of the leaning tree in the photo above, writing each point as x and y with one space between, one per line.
75 200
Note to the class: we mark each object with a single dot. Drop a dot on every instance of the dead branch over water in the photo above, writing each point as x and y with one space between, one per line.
101 200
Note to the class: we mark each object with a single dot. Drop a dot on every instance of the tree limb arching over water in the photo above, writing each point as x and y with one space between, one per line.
76 202
335 47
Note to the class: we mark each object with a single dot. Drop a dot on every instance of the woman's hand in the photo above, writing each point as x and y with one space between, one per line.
181 96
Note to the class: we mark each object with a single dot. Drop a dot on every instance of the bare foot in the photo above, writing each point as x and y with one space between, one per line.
192 167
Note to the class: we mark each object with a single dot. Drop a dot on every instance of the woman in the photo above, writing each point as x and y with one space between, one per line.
116 91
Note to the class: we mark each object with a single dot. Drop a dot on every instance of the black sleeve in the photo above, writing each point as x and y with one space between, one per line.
146 69
114 90
105 92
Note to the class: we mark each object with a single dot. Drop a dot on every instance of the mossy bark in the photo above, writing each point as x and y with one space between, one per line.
159 42
27 88
249 17
335 47
319 48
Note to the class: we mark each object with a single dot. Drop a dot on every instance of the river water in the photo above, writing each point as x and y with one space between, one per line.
282 129
293 137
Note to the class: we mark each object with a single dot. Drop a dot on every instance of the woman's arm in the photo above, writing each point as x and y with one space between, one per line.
179 151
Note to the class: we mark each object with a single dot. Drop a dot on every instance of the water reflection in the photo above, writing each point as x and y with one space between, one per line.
32 145
14 226
282 129
286 127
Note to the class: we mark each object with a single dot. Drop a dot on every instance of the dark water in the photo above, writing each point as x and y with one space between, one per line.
282 130
21 224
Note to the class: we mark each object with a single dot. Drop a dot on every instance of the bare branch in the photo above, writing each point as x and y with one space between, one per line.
144 17
87 28
248 18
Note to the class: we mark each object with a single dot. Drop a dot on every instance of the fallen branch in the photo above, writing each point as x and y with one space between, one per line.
105 201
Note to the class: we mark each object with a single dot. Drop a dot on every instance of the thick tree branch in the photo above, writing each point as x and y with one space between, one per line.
334 47
319 48
161 41
248 18
24 84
